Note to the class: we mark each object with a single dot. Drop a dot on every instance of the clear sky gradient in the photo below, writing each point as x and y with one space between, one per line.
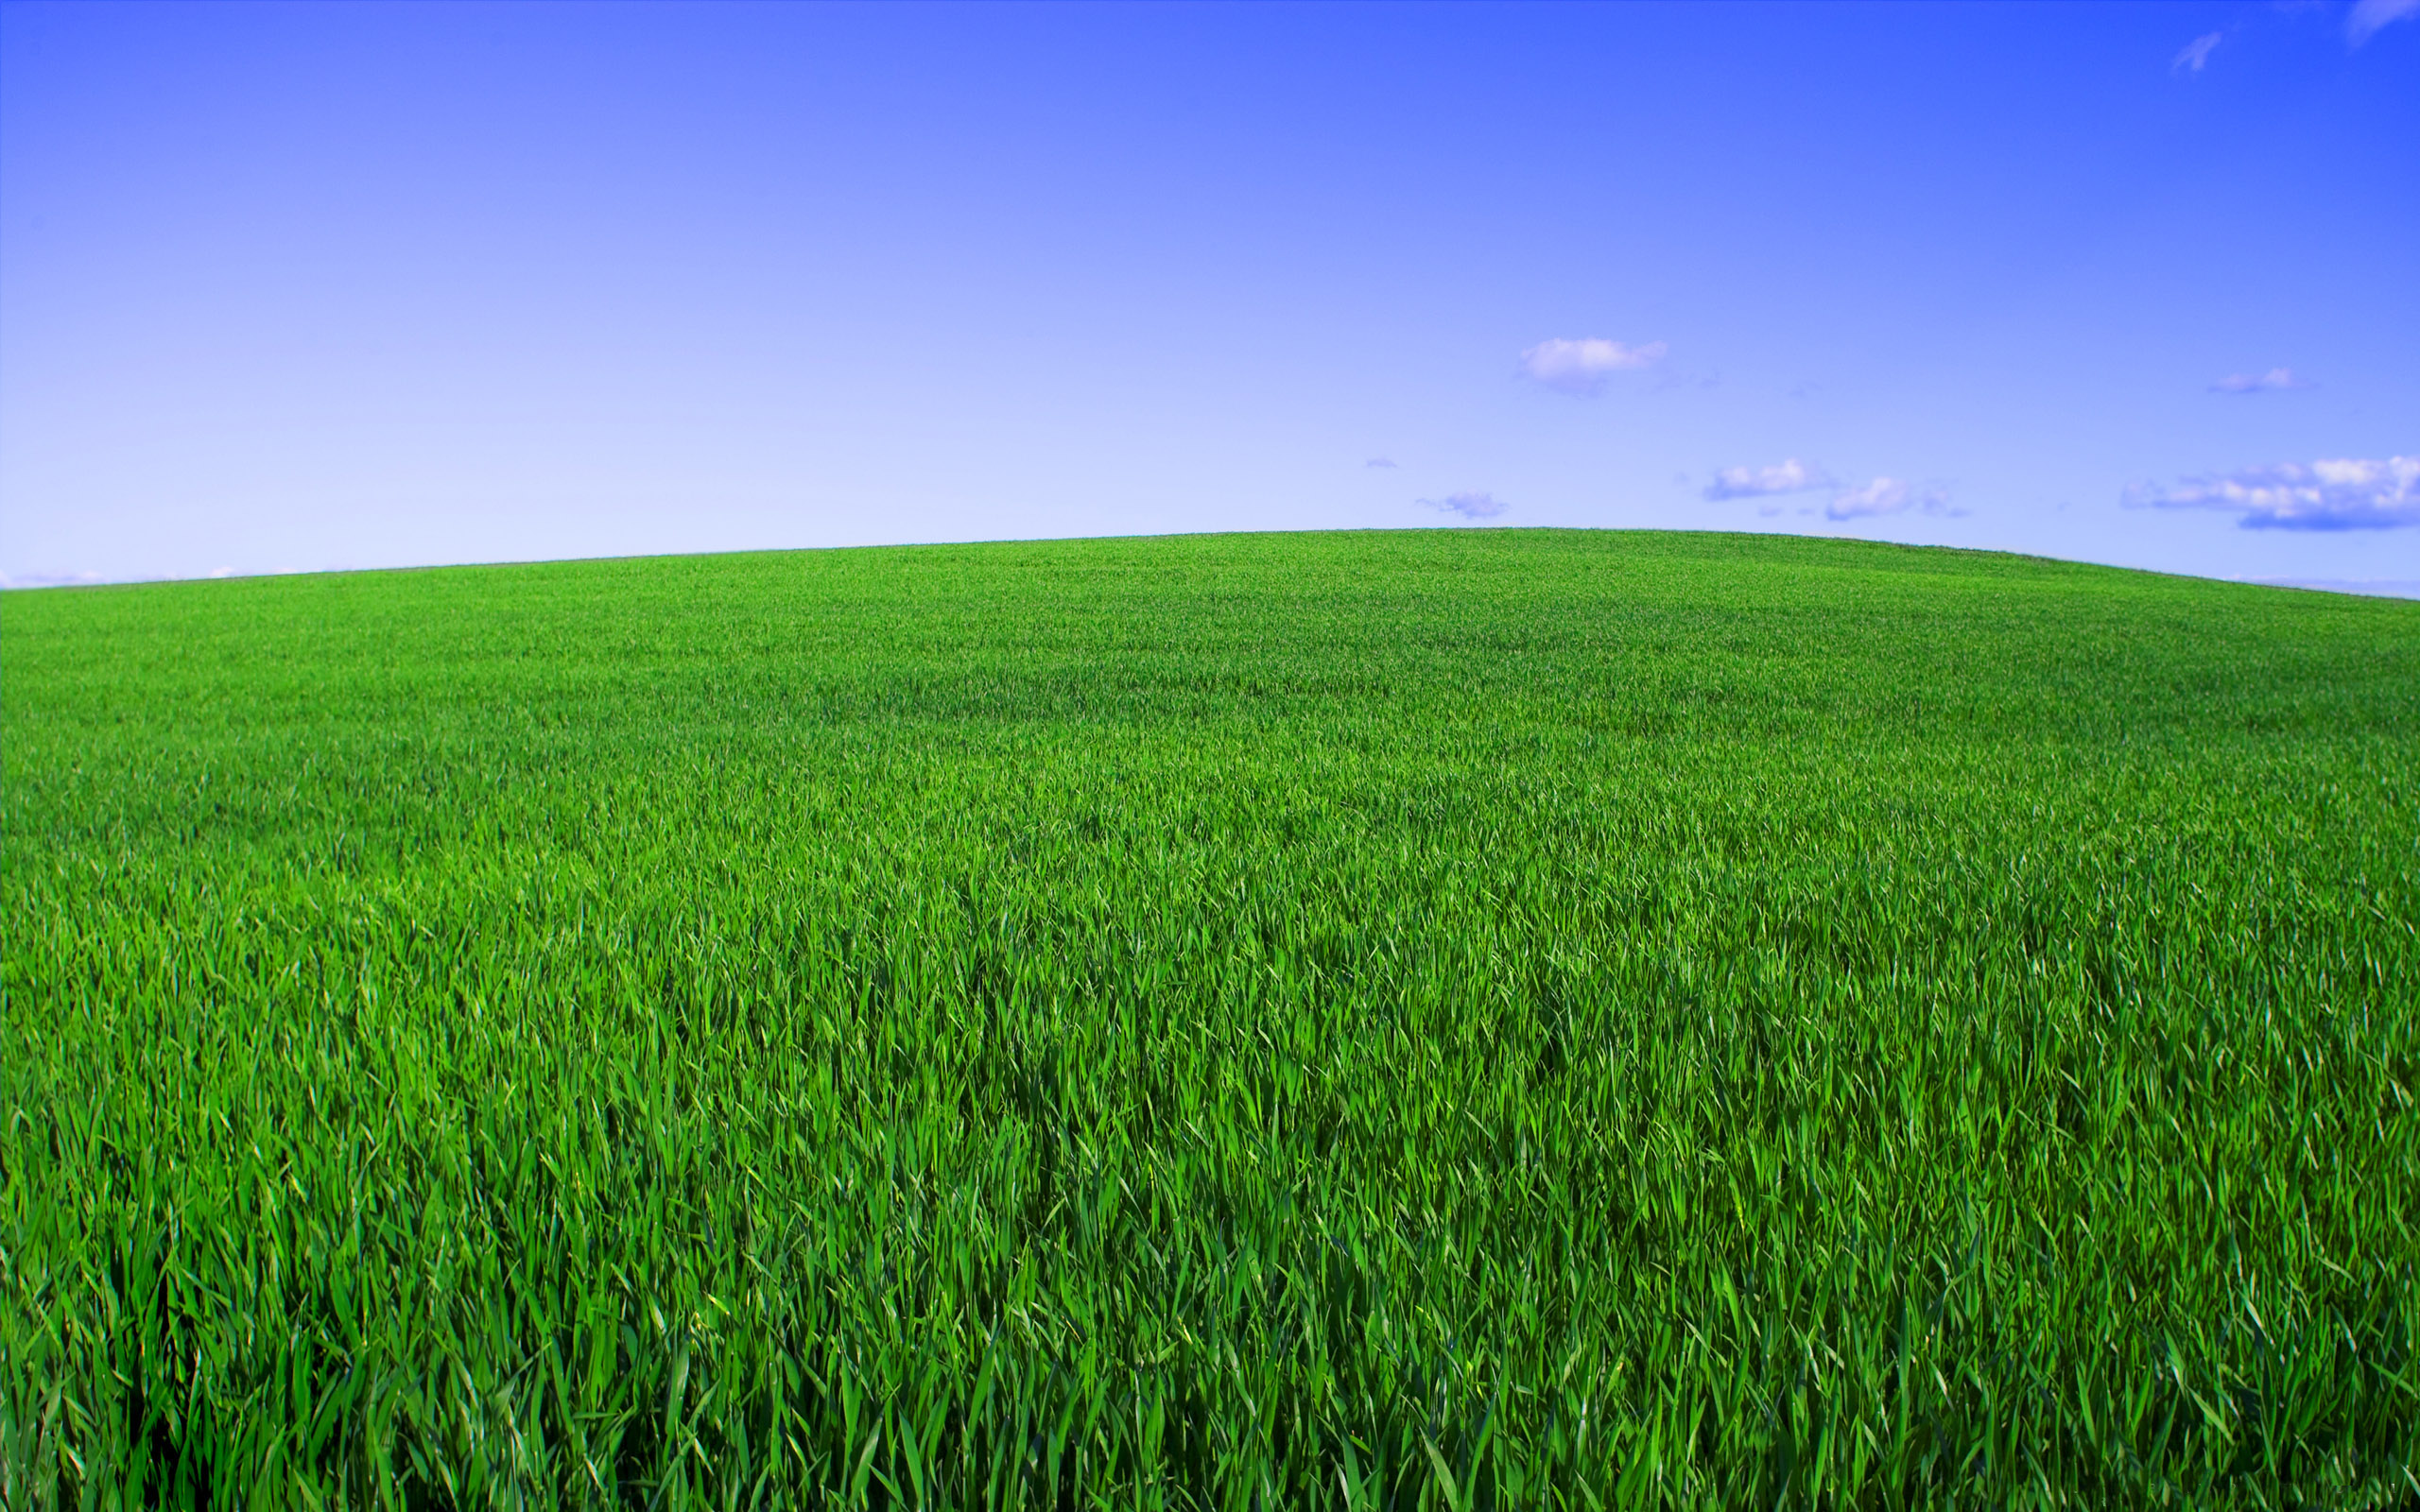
290 287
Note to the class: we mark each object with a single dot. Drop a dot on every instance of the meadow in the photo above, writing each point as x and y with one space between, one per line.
1442 1018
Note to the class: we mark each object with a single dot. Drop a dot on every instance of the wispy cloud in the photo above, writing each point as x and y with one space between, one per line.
1380 461
1888 496
2343 493
1581 366
1792 476
1883 495
2369 15
1469 505
2197 52
2367 587
2259 383
49 580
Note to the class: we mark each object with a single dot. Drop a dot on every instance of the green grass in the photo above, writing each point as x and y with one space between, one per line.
1451 1019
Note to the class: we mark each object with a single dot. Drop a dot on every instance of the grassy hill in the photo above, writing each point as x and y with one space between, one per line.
1426 1019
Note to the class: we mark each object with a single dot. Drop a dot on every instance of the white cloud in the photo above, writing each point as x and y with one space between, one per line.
2367 587
1469 505
1792 476
50 579
1881 496
2197 52
2257 382
1581 367
1889 496
2370 15
1884 495
2342 493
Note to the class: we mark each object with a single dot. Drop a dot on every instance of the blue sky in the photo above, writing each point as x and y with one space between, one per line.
290 287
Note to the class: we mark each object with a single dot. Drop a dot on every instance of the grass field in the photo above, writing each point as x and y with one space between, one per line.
1435 1019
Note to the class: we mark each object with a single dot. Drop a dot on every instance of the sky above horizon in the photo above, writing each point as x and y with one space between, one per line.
290 287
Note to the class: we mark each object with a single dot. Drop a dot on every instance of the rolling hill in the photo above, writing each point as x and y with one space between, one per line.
1426 1019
